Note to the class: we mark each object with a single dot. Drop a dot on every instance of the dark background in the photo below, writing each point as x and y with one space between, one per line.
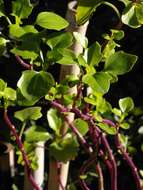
131 84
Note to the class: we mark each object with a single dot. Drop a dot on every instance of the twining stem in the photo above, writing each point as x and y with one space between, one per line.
62 109
90 120
23 63
112 159
21 148
129 161
100 177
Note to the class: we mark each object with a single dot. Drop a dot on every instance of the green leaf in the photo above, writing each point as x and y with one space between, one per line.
117 112
85 9
22 101
99 82
3 85
3 42
126 104
139 12
64 149
2 12
51 21
54 120
16 31
117 34
53 56
32 113
68 57
81 39
60 40
81 60
22 8
25 54
34 85
120 63
129 16
124 125
108 129
36 134
94 54
81 125
9 94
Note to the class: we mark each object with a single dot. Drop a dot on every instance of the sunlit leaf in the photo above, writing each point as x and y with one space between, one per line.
81 125
51 20
64 149
100 82
94 54
60 40
54 120
120 63
37 133
126 104
22 8
32 113
34 85
129 16
108 129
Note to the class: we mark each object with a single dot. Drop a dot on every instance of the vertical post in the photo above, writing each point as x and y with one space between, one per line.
7 170
68 70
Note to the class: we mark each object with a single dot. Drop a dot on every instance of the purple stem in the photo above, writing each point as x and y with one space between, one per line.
106 145
129 161
23 63
100 175
112 159
83 169
21 148
62 109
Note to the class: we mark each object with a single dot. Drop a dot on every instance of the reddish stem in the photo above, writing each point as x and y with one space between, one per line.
21 148
62 109
106 145
83 169
129 161
23 63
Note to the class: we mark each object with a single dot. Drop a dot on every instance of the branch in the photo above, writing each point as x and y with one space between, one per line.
23 63
129 161
21 148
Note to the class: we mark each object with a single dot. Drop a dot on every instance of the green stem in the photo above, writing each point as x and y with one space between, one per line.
22 130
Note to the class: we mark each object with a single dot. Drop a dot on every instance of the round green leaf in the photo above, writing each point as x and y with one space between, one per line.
64 149
60 40
126 104
54 120
100 82
94 54
32 113
34 85
10 94
81 125
2 85
22 8
36 134
139 12
129 16
120 63
51 21
125 125
108 129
